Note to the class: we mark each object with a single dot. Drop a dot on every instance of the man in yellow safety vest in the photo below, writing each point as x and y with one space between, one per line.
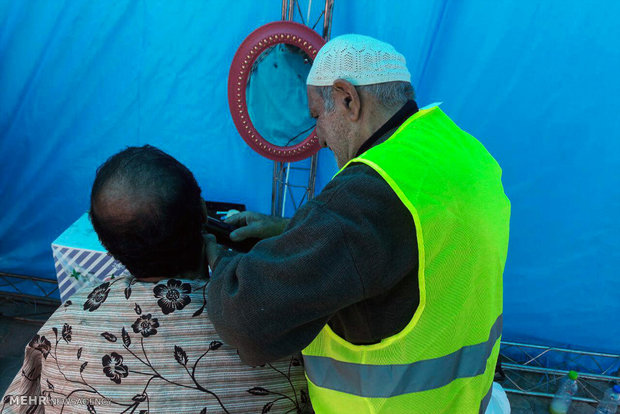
390 280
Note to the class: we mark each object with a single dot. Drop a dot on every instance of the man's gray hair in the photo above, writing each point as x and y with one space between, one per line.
391 95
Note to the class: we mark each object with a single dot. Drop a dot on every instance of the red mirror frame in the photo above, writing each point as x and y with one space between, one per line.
291 33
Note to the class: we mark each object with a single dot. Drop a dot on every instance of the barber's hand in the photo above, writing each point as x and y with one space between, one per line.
256 225
212 249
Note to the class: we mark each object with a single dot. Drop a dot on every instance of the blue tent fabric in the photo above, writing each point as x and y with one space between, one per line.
535 82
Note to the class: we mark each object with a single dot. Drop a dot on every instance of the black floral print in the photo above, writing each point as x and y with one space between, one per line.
66 332
180 355
41 344
145 325
113 367
97 297
132 363
173 296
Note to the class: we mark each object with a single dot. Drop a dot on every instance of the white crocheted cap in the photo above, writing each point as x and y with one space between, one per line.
361 60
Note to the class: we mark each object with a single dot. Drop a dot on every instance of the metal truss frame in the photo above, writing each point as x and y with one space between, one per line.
281 186
14 299
529 370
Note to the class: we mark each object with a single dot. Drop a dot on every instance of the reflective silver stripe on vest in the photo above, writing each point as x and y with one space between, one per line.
383 381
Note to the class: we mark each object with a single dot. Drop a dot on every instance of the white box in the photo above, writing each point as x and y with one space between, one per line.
81 260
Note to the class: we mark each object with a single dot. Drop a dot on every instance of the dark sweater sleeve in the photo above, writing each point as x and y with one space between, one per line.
336 251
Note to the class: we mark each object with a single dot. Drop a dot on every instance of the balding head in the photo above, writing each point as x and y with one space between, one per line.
147 211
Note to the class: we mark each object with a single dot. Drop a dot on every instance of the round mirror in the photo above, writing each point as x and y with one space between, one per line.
276 95
267 90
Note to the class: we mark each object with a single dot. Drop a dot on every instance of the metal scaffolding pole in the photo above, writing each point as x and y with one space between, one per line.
281 185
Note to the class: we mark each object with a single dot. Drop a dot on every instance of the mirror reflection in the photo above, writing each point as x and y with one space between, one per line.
276 95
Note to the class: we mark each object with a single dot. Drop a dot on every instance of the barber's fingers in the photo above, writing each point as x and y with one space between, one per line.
252 230
239 219
208 237
254 225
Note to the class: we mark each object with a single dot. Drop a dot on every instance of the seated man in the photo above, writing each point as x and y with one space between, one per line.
144 343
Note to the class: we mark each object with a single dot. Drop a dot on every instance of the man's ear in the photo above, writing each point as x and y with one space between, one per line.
345 94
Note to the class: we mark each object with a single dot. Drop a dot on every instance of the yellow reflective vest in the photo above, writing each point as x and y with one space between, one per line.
444 360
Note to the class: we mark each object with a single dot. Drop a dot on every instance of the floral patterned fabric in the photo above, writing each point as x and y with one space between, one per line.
136 347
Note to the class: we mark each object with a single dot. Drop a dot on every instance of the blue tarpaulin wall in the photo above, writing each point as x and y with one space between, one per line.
536 82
